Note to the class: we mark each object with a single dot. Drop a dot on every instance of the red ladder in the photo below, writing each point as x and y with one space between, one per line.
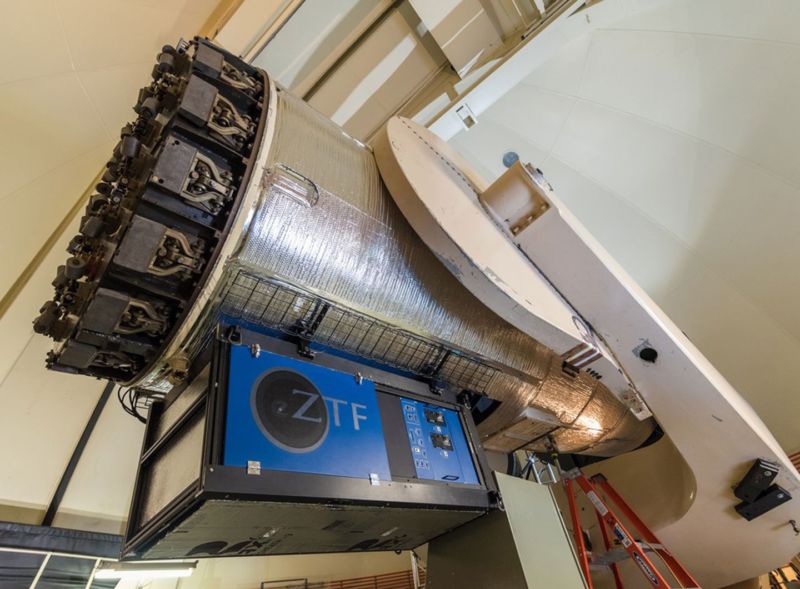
610 521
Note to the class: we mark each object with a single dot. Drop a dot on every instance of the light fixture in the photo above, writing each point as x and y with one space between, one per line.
145 570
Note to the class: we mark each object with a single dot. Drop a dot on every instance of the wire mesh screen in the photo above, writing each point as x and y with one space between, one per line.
276 305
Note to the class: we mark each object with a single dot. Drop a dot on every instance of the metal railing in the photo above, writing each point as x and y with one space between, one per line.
398 580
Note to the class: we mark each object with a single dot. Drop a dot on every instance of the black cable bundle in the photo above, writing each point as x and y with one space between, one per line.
128 397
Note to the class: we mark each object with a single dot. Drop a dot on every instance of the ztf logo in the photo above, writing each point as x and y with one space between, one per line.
293 414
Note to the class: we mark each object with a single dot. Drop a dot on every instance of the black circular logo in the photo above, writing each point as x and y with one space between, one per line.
290 410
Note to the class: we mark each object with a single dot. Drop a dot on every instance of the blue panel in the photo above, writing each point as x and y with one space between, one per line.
440 449
297 416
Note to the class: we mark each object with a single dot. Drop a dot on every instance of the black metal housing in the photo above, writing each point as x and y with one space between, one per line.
226 511
151 231
758 478
769 499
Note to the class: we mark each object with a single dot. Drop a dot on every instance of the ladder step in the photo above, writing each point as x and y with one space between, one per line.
619 554
612 526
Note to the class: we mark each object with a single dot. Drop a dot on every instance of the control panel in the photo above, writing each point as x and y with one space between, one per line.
438 444
292 414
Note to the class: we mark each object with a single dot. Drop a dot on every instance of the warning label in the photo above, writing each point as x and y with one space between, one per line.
622 536
597 502
651 576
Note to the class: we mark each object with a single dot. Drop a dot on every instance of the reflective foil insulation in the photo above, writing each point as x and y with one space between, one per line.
230 200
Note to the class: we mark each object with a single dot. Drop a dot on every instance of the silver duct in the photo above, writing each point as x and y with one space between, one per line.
320 243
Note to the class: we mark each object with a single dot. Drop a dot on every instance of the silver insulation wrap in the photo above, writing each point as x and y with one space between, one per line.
323 246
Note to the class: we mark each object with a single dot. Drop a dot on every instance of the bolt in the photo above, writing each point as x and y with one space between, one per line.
648 354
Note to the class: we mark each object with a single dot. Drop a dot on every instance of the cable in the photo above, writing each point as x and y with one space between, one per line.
128 398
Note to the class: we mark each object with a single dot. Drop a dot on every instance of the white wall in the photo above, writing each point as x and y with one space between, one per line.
674 136
42 416
71 70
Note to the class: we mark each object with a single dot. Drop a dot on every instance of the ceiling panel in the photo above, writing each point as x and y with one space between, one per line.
42 415
738 94
657 76
649 252
774 20
488 141
700 193
36 208
533 113
767 272
71 70
564 72
46 122
35 45
486 167
113 91
17 328
104 33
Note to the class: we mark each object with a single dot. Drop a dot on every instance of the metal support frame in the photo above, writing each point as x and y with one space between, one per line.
607 543
40 572
49 553
532 467
66 477
577 532
415 571
96 566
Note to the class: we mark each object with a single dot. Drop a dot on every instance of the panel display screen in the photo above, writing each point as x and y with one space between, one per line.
438 444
